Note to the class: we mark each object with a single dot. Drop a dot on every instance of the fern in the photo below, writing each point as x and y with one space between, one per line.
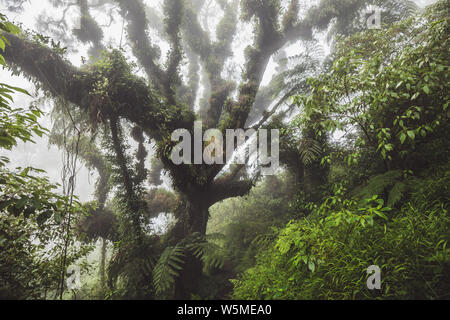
264 241
379 183
168 268
396 194
211 254
171 261
216 236
310 151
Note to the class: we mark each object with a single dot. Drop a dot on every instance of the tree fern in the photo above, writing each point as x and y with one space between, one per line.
396 193
168 268
216 236
171 261
264 241
310 151
390 181
211 254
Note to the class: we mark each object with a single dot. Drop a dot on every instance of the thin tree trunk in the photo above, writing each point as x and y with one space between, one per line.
102 265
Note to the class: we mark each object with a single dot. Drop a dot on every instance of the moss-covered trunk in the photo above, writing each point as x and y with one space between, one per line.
196 219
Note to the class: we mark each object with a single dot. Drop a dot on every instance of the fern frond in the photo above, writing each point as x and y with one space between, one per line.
310 151
168 268
215 236
396 194
209 252
379 183
263 241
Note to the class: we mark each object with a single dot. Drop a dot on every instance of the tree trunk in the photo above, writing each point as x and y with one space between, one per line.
197 214
194 219
102 265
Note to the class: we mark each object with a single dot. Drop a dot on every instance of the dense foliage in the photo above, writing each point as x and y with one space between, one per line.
363 147
31 211
388 196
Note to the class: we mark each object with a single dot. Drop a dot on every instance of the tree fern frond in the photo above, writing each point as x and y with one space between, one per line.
209 252
378 184
310 151
215 236
396 194
168 268
390 182
264 240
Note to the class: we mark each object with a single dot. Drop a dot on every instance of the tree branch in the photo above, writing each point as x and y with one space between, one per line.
224 189
213 56
134 12
130 95
173 10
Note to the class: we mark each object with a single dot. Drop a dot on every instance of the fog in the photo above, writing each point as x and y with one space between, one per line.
49 158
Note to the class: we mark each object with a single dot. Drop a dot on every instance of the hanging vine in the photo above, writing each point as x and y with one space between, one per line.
68 177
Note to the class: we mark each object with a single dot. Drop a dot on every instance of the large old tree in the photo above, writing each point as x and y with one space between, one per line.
109 91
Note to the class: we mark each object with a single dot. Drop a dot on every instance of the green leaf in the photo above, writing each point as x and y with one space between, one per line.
402 138
311 266
11 28
4 204
28 211
21 203
43 217
16 89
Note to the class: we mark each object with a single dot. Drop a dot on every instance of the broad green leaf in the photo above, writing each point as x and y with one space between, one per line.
402 137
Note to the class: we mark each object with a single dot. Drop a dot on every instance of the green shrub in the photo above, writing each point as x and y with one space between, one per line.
326 255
